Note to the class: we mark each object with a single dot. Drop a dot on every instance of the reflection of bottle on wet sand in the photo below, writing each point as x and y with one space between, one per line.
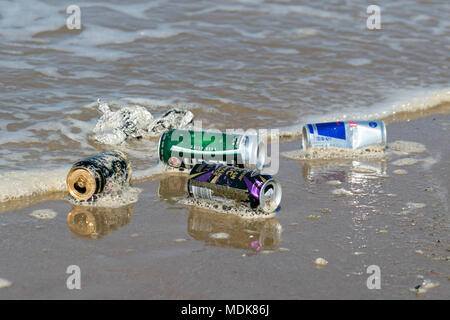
172 188
96 222
342 170
230 231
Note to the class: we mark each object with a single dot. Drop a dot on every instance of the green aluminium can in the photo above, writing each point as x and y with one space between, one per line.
185 148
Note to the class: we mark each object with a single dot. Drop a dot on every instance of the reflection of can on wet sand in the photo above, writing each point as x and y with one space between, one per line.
348 135
322 171
173 188
230 231
96 222
363 170
342 170
217 182
185 148
97 174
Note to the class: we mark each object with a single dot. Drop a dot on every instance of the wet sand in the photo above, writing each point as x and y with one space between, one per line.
352 214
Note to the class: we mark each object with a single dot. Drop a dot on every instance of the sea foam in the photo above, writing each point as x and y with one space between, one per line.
403 102
17 184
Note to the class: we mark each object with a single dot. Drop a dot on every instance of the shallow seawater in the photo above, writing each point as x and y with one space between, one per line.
337 218
239 64
245 64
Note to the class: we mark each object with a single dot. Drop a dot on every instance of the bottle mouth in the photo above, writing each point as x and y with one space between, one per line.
261 156
159 146
254 153
81 183
270 196
383 138
305 143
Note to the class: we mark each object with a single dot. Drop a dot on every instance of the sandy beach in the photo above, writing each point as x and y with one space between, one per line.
391 213
80 78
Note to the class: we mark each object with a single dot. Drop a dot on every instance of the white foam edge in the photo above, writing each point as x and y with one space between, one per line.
404 101
19 184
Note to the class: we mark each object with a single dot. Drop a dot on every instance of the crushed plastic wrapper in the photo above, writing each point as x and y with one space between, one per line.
172 119
114 127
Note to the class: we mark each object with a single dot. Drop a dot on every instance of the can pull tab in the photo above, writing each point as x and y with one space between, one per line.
270 196
269 192
80 185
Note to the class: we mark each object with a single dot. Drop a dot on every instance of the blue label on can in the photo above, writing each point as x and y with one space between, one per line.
310 127
331 129
373 124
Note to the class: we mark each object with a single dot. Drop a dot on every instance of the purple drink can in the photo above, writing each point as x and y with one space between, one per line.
348 135
219 182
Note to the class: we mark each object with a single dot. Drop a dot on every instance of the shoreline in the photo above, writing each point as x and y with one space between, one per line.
342 212
155 172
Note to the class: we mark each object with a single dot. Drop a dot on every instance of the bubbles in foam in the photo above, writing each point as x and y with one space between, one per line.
5 283
400 172
50 72
17 184
228 208
305 32
416 205
402 102
286 51
321 262
342 192
407 146
220 235
405 162
419 100
334 182
359 62
44 214
429 162
335 153
149 103
424 287
135 82
115 199
87 74
364 170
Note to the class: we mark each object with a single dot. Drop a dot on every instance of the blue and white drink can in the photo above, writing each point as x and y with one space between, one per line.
348 135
